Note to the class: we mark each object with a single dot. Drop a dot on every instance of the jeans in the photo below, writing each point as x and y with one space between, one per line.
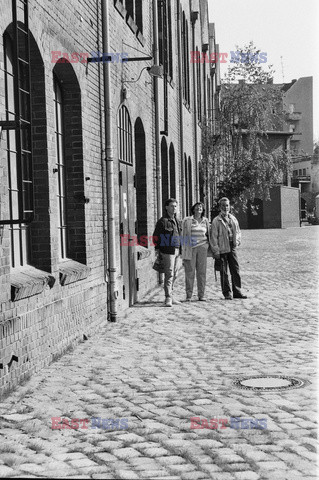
170 271
198 264
231 260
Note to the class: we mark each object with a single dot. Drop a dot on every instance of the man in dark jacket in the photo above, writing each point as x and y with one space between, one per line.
166 238
226 237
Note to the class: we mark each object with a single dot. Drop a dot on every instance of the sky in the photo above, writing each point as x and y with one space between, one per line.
281 28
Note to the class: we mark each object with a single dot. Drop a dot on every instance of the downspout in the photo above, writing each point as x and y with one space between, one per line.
156 112
180 83
104 192
194 16
109 151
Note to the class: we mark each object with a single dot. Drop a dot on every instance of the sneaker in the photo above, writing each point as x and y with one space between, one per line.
176 302
240 296
168 302
202 299
228 296
188 299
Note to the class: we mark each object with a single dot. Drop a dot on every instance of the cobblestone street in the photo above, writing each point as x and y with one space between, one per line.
157 367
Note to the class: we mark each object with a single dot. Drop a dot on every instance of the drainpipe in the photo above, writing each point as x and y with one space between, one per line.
194 16
156 107
108 120
180 95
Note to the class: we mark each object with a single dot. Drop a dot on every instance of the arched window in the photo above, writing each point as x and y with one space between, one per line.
125 136
170 41
141 180
19 156
26 152
69 172
199 90
185 59
190 182
25 144
165 172
60 168
187 206
172 171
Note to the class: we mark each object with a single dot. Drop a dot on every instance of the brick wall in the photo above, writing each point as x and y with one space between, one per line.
50 305
38 328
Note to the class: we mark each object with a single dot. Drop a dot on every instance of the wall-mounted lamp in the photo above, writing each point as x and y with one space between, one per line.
154 71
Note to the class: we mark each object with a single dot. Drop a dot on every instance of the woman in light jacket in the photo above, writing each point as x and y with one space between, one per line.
195 242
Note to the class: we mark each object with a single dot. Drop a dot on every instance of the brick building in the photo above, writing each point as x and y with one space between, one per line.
90 150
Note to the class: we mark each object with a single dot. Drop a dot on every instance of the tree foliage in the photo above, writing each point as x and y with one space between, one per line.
235 147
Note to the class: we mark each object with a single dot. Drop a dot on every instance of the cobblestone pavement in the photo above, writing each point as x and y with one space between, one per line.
158 367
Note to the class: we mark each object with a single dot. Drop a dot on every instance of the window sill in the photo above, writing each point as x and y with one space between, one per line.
28 281
120 8
141 39
131 24
71 271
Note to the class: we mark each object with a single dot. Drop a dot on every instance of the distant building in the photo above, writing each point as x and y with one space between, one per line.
298 103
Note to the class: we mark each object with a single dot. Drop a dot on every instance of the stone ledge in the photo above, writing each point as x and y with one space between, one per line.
71 271
28 281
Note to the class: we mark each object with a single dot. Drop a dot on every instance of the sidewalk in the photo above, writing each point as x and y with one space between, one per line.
157 367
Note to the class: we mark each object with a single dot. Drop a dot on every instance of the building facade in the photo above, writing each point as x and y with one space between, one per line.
90 150
298 100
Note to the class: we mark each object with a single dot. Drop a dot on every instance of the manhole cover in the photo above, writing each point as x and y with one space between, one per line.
269 383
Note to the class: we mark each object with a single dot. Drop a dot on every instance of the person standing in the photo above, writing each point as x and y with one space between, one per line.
166 238
225 238
195 233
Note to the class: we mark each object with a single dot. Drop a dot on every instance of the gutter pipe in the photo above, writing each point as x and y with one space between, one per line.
109 151
156 107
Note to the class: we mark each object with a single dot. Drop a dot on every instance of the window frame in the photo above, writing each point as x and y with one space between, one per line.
125 139
19 152
60 168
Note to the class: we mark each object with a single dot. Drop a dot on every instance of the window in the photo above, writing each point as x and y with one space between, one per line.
60 169
172 167
165 37
190 182
140 180
27 163
125 136
164 172
19 159
129 4
185 60
133 9
69 173
199 90
169 40
139 14
186 184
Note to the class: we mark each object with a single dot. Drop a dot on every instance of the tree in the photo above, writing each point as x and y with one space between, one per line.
236 147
